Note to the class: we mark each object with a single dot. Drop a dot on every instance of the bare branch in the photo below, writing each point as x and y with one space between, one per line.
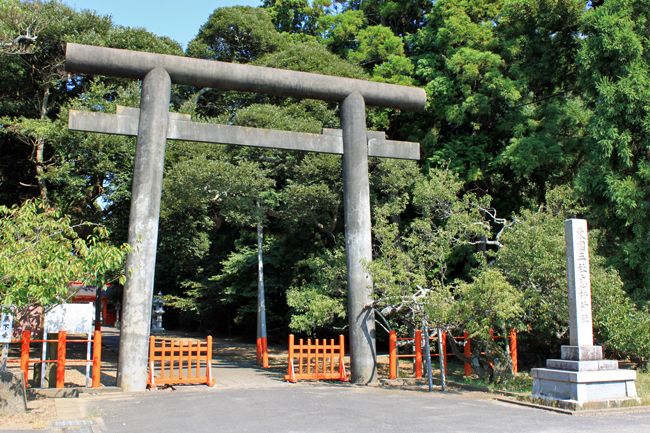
22 23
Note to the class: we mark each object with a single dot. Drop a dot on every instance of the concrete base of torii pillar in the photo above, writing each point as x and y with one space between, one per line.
583 380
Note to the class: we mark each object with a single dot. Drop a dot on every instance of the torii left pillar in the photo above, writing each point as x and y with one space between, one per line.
143 229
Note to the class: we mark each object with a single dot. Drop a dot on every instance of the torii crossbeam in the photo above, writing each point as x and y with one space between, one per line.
180 127
153 125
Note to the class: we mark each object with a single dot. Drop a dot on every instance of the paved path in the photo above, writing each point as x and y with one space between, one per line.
246 399
111 338
317 408
226 374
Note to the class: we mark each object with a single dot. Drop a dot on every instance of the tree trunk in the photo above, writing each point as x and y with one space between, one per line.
40 170
479 359
40 146
511 368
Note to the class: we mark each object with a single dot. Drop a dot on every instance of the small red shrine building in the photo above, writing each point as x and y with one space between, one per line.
85 294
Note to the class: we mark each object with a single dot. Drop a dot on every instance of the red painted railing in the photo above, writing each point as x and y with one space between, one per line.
417 365
417 341
61 360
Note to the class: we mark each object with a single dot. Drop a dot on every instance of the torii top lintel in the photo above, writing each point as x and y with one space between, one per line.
87 59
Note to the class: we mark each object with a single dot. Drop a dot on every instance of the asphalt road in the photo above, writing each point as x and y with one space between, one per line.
313 408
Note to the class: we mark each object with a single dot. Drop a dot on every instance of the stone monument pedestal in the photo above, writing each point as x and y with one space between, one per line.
582 379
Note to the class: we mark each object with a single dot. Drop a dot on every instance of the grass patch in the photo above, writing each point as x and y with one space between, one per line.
643 385
522 383
94 412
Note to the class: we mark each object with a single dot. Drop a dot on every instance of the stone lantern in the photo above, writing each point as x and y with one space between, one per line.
118 308
156 316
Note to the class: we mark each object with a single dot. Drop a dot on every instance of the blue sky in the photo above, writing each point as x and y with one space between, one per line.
180 20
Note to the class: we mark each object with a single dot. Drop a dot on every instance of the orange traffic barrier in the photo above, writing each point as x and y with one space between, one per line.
316 361
61 360
180 362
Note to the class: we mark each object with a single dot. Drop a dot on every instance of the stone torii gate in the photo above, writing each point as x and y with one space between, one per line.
153 125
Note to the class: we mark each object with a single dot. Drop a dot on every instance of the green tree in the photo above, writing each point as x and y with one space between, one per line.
318 296
296 16
500 120
42 252
615 181
375 45
339 31
402 16
533 260
236 34
34 87
415 263
20 26
489 304
381 52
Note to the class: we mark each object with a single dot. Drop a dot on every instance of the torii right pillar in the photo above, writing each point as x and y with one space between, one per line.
358 239
582 379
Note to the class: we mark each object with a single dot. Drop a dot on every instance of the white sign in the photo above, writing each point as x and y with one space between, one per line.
72 318
6 327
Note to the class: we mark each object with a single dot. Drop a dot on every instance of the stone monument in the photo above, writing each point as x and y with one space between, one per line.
582 379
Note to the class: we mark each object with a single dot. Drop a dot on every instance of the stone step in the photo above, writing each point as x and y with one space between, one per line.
583 376
581 353
563 364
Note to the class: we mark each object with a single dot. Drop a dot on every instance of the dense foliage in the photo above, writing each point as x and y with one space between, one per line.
41 252
537 111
